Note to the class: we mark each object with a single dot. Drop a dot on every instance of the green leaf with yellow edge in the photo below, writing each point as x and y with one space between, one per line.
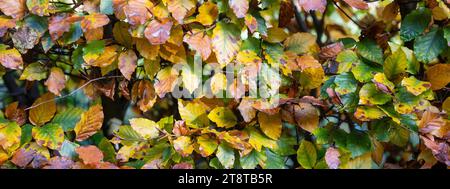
225 154
307 154
370 50
258 140
368 113
406 102
369 94
207 145
301 43
223 117
270 124
183 145
364 72
145 127
10 135
50 135
44 108
93 50
128 135
207 13
383 83
415 86
346 60
34 72
225 42
395 64
345 83
194 114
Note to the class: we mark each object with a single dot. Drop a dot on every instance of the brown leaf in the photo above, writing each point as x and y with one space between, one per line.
127 63
440 150
359 4
15 113
14 8
240 7
331 51
135 11
180 129
306 116
390 12
91 121
94 34
44 108
123 88
158 32
332 158
59 24
200 42
286 13
433 123
90 155
56 81
25 38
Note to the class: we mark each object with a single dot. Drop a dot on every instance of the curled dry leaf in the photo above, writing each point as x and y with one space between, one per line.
91 121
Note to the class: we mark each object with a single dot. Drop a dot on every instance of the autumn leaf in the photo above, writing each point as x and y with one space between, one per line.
180 8
332 158
301 43
6 24
94 21
308 5
11 58
225 42
438 75
91 121
38 7
306 116
183 145
270 124
50 135
127 63
307 155
207 13
14 8
146 128
89 154
200 42
240 7
158 32
223 117
359 4
44 108
56 81
167 79
58 25
136 11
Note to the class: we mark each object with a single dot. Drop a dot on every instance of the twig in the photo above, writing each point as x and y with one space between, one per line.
73 92
348 16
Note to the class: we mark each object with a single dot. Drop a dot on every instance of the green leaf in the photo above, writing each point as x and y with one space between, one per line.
369 50
106 7
274 161
398 135
93 50
145 127
369 94
358 143
68 118
251 160
223 117
415 24
75 33
68 149
307 155
34 71
429 46
50 135
207 145
225 154
108 150
395 64
26 136
346 60
128 135
345 83
364 72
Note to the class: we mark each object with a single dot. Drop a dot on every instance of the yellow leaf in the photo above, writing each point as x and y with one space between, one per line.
207 13
276 35
438 75
302 43
145 127
218 83
270 124
415 86
146 49
183 145
44 108
194 114
225 42
223 117
368 113
306 116
90 122
10 134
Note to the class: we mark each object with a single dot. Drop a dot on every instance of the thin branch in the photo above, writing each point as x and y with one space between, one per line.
73 92
348 16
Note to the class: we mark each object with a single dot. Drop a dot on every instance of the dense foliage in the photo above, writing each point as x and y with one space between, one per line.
351 84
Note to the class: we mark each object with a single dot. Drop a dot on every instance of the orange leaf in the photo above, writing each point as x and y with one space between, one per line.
158 32
94 21
135 11
56 81
180 8
199 42
5 24
91 121
13 8
359 4
127 63
90 154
